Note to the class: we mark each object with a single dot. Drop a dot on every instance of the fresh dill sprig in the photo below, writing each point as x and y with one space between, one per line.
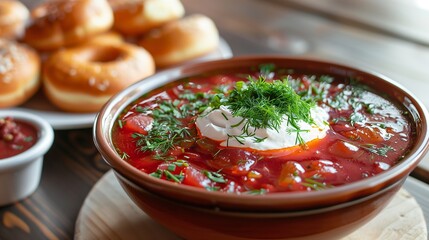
264 104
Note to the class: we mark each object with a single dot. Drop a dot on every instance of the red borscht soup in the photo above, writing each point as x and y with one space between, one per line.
263 130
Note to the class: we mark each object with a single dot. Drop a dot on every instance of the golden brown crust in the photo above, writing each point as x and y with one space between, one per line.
19 73
13 17
133 17
181 40
63 23
106 38
109 37
82 79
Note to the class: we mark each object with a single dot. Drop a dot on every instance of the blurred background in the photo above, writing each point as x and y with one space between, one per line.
387 37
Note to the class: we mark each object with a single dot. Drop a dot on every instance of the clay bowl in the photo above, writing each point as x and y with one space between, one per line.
194 213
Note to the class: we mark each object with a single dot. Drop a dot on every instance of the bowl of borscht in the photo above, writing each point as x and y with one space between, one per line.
262 147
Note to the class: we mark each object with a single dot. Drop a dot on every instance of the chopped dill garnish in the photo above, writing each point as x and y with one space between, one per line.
372 148
221 89
28 139
168 175
326 79
381 151
157 173
163 136
264 104
261 191
299 139
171 167
141 109
314 184
356 117
212 188
267 69
17 147
181 163
175 178
167 129
215 176
317 90
120 124
124 155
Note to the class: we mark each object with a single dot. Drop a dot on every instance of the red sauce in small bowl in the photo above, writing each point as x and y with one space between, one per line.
15 137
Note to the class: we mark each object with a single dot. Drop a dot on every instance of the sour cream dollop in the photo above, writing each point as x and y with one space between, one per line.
220 125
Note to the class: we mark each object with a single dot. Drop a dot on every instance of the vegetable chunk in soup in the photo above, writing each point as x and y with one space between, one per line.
263 130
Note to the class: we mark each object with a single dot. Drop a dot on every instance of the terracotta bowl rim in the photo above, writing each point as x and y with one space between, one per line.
105 118
268 214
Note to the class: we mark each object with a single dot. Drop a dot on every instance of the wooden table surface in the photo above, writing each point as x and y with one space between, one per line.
392 40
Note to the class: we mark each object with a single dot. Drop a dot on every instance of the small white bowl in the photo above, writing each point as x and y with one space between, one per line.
20 174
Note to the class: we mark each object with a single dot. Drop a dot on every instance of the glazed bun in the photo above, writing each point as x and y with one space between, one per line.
13 17
82 79
106 38
133 17
19 73
63 23
181 40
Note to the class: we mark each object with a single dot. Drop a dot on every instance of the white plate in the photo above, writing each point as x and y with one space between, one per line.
40 106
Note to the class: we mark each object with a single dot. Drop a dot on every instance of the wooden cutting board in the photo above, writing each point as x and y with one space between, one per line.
108 213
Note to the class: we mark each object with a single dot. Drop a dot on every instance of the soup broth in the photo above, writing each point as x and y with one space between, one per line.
166 133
